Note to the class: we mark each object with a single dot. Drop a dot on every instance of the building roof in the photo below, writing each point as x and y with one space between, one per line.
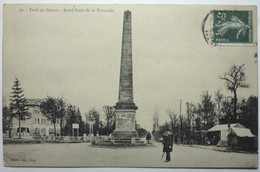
242 132
224 127
34 102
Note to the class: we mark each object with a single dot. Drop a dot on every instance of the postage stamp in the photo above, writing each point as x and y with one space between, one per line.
228 27
232 26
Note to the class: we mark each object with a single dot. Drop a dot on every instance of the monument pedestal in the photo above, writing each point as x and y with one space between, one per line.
125 121
124 135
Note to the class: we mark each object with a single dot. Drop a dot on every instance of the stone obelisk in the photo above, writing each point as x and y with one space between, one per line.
125 107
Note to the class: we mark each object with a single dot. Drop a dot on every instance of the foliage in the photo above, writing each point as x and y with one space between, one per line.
53 110
7 119
73 115
249 114
226 109
206 110
61 112
142 132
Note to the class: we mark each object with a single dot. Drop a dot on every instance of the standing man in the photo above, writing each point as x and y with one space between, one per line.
167 144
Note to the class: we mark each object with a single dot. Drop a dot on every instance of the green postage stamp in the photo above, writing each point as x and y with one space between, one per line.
232 26
228 27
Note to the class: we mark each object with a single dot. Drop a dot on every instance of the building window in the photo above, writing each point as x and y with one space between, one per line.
38 120
24 129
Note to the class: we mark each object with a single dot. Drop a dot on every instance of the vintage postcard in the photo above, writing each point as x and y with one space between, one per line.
168 86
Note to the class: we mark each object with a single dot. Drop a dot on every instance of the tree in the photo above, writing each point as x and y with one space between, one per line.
198 123
141 132
249 114
51 109
7 119
82 127
93 116
226 110
206 109
155 121
19 105
173 118
73 115
218 98
191 111
163 129
235 78
110 117
181 123
61 111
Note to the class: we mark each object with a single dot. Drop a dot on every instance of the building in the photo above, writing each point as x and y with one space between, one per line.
220 134
241 138
37 125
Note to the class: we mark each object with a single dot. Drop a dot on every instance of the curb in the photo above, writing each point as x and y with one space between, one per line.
221 150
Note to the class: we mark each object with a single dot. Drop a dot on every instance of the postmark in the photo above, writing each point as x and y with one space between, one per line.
228 27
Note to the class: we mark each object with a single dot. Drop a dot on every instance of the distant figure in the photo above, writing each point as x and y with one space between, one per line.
176 139
148 138
167 144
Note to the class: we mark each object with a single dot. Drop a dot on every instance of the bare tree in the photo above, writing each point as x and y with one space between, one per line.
94 116
191 110
110 116
155 121
173 118
235 78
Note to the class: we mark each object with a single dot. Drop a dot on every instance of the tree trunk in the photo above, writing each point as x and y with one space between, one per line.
54 130
218 116
19 127
235 105
108 126
60 127
10 134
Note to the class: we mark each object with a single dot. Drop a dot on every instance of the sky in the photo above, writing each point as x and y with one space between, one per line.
76 55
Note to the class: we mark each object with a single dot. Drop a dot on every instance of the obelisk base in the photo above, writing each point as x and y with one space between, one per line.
124 135
125 123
